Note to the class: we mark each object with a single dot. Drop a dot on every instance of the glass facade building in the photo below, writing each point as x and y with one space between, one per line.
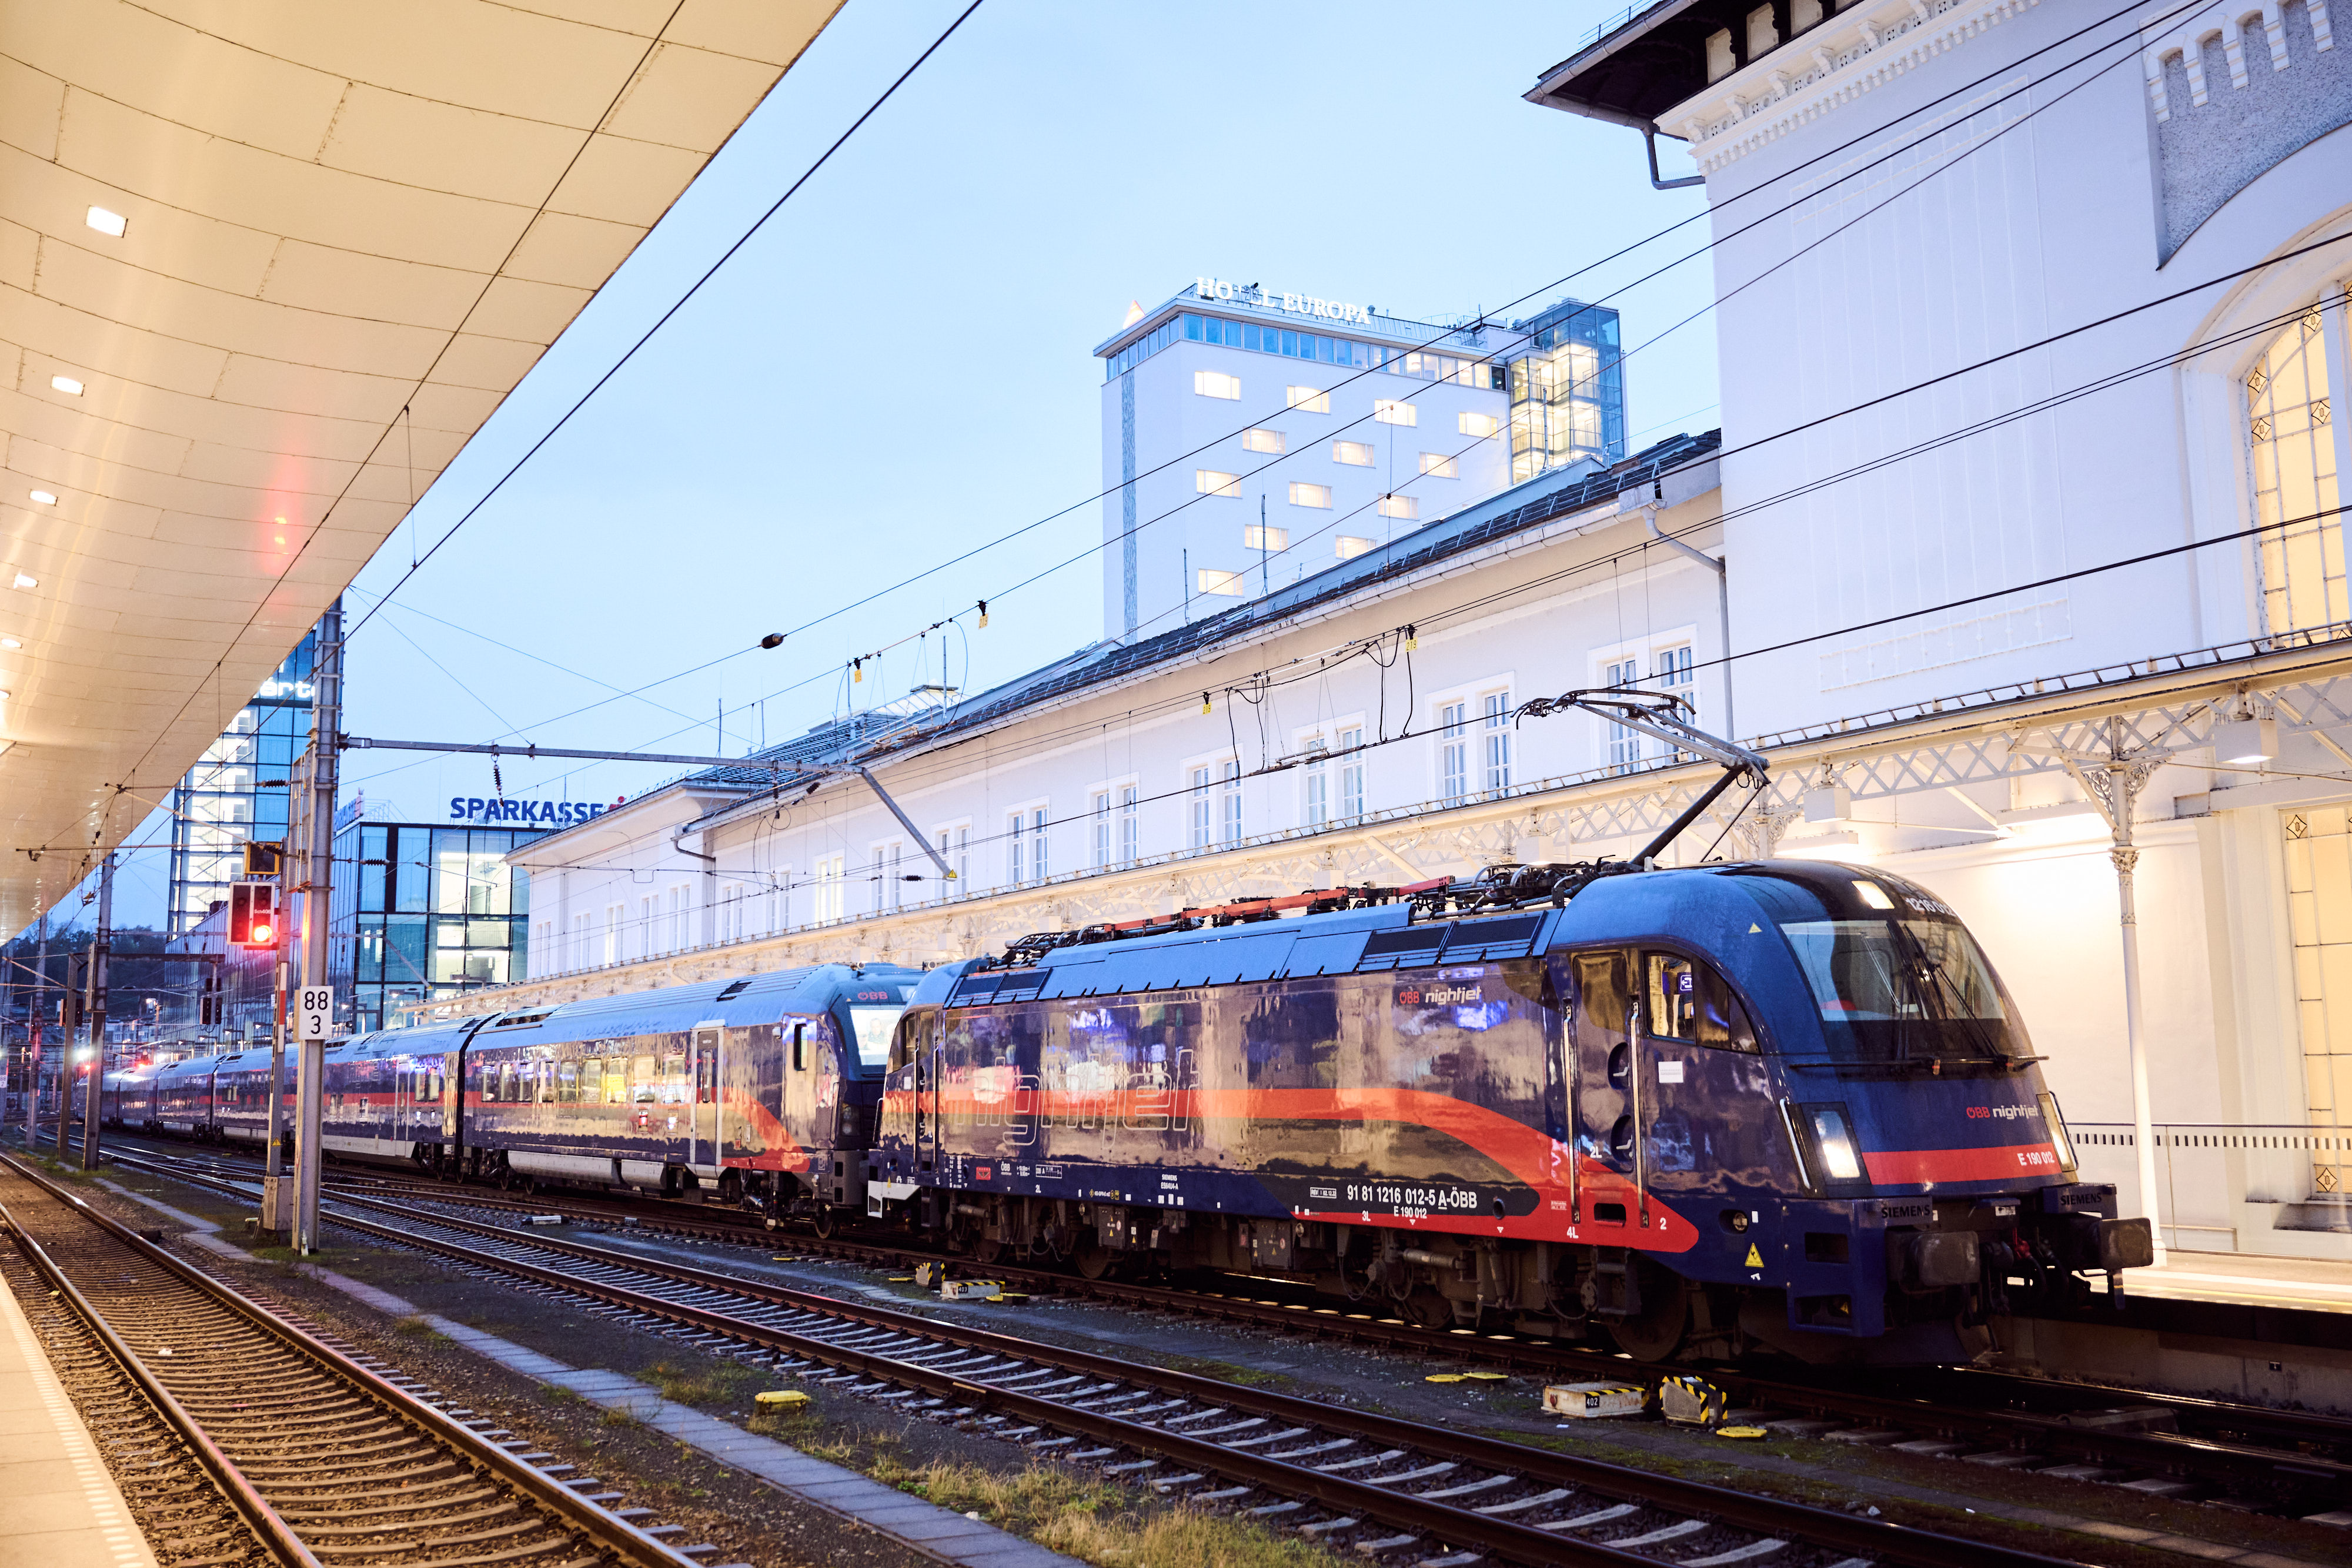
424 912
220 806
1568 390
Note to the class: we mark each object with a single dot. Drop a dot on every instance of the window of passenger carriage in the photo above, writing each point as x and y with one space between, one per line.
1687 1000
592 1081
567 1083
646 1082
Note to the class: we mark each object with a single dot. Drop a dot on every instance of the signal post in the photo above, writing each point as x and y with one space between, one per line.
253 924
312 824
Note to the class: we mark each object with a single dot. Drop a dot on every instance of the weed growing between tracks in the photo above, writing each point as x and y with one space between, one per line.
1067 1509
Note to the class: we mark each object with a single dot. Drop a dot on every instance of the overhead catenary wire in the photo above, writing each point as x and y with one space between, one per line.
385 434
1778 434
680 304
1770 181
1264 676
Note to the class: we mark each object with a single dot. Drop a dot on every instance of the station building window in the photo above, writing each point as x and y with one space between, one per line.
1350 768
1358 452
1210 482
1453 751
1495 739
1309 400
1396 410
1216 383
1257 440
830 876
1305 495
1225 584
2292 445
1481 426
1406 506
1263 536
2319 851
1348 547
1437 465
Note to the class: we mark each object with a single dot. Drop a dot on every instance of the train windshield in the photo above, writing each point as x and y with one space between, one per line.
873 1024
1895 991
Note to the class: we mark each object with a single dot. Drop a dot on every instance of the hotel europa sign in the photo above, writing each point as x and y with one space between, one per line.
1273 299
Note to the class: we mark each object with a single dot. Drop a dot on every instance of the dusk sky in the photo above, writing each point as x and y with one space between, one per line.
896 368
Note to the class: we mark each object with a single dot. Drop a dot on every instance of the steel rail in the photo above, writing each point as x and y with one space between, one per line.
2175 1452
1881 1539
599 1524
276 1536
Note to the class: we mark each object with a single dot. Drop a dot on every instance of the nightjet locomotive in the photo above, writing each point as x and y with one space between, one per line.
1781 1105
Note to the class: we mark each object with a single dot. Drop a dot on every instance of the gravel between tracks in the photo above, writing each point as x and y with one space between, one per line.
2022 1510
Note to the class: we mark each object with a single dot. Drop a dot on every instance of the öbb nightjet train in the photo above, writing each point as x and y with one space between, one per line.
1766 1105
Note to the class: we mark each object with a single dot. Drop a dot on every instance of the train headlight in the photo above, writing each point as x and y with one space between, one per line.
2054 1122
1833 1137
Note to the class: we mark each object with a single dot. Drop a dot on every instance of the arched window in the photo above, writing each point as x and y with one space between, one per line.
2293 450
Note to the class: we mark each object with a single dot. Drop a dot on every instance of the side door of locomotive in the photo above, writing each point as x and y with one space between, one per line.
1710 1126
704 1053
1606 1118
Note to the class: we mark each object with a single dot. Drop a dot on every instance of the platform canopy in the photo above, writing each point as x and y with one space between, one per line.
265 266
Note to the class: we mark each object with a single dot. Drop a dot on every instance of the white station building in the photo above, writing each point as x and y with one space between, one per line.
2022 532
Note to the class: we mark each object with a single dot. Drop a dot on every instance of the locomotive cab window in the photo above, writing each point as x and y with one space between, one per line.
871 1024
1913 988
1687 1000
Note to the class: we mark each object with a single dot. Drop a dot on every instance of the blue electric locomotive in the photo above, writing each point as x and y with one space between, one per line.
1785 1105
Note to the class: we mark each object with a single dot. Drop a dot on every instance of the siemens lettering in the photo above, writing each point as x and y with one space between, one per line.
531 813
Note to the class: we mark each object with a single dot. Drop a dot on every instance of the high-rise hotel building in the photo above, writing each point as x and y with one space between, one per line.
1253 437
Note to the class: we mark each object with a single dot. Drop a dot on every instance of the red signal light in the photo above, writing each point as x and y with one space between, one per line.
253 914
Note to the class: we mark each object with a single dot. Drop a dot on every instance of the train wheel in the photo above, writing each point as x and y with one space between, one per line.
1426 1310
987 1252
827 1223
1656 1331
1093 1261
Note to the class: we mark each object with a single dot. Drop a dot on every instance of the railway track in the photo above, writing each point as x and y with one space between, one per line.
2293 1463
1352 1479
257 1441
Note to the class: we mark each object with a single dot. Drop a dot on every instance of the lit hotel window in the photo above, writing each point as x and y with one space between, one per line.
1263 441
1438 467
1258 536
1351 547
1390 411
1208 482
1216 383
1310 400
1228 583
1309 494
1358 453
1399 507
1481 425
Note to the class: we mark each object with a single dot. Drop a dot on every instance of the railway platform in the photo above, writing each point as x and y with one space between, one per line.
60 1507
2240 1279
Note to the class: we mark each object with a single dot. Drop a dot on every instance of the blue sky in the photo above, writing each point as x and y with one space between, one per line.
896 368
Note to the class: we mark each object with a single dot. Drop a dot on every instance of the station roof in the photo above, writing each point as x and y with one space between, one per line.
263 269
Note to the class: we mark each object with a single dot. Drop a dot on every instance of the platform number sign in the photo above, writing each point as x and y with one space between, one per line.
318 1012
